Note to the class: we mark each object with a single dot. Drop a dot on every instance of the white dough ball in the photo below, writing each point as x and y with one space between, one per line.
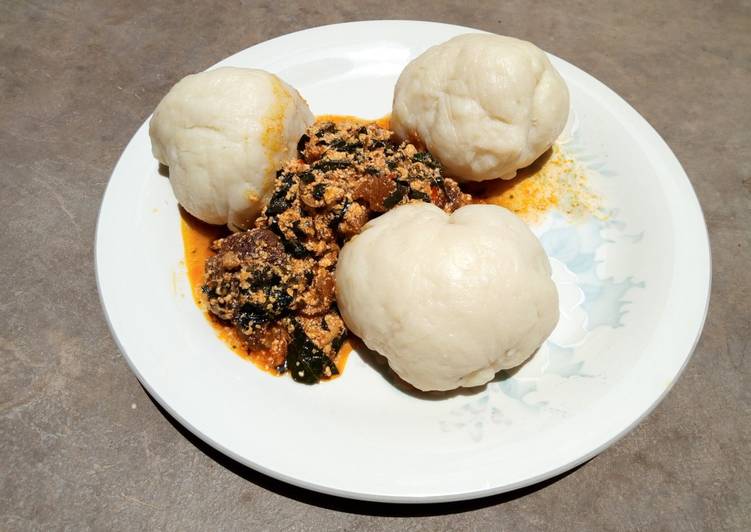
485 105
224 134
449 300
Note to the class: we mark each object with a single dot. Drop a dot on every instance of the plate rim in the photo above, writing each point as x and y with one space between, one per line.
681 175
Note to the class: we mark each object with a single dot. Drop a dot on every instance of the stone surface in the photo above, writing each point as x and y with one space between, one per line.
82 445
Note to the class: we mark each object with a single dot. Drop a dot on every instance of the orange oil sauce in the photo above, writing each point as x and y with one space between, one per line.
552 181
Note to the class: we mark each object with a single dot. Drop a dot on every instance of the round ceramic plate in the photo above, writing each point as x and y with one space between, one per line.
633 284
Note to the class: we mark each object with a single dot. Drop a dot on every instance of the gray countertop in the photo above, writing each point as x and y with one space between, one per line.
81 443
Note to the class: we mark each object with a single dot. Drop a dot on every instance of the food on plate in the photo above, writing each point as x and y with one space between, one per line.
224 134
448 299
275 282
484 105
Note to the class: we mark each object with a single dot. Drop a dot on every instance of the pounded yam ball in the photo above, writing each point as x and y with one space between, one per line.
224 134
485 105
448 299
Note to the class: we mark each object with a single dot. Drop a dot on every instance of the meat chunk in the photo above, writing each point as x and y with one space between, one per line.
251 283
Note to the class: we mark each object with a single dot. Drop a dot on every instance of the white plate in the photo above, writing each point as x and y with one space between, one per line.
634 292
